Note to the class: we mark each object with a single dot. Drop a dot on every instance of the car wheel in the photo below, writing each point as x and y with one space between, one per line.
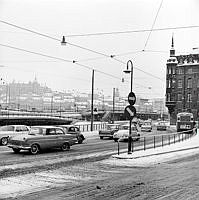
81 140
4 141
16 150
101 137
34 149
65 147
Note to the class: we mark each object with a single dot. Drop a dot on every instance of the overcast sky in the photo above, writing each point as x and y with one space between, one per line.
56 18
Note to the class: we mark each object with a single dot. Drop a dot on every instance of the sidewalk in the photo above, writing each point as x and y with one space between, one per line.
188 145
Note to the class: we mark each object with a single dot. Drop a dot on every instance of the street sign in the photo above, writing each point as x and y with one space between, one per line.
131 98
130 112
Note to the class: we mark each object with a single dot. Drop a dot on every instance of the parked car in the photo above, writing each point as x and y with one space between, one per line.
123 133
74 130
161 126
42 137
146 126
11 130
109 131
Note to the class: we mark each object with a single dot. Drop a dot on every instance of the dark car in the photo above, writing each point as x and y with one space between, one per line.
42 137
109 131
74 130
161 126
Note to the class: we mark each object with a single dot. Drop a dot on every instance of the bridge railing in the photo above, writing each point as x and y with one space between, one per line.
160 140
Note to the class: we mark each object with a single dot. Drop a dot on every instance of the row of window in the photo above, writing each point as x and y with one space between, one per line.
171 83
171 70
180 97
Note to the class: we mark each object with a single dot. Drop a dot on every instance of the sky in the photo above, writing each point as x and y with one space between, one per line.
73 19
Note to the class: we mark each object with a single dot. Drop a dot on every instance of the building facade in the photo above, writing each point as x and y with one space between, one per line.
182 84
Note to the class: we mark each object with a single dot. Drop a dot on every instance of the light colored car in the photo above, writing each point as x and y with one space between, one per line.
109 131
12 130
146 126
74 130
42 137
123 133
161 126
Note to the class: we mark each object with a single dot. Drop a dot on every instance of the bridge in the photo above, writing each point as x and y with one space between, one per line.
118 115
32 119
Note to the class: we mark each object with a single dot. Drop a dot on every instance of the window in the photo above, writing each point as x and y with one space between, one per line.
189 71
180 83
173 83
180 71
179 97
198 83
168 97
189 97
169 70
189 83
59 132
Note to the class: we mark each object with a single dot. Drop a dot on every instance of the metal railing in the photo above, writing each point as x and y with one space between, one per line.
154 141
96 127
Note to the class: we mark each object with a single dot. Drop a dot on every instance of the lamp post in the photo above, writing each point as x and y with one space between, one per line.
128 71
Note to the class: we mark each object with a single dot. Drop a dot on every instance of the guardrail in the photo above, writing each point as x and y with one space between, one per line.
154 141
96 127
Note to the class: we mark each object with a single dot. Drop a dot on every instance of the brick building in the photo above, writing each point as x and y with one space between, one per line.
182 84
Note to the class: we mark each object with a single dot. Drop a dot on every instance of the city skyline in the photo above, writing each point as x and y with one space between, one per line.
148 50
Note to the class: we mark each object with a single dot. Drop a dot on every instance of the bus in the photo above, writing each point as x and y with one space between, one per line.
185 122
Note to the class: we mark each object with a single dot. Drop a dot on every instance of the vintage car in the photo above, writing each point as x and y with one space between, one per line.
161 126
109 131
11 130
74 130
123 133
42 137
146 126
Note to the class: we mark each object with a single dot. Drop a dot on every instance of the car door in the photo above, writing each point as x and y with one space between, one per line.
60 137
50 138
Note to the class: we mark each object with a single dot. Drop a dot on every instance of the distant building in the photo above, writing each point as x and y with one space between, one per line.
182 84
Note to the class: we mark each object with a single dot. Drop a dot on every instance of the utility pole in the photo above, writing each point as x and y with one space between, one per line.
113 119
92 94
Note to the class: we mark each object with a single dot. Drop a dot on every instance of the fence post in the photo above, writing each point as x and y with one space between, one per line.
174 138
154 142
118 148
144 144
169 139
162 141
132 145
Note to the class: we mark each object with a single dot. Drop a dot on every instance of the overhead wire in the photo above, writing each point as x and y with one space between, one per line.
140 70
74 61
153 25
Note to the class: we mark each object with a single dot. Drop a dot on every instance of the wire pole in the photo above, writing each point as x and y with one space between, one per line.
92 100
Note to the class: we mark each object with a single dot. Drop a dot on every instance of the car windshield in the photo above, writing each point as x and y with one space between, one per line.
7 128
111 127
147 124
161 123
126 127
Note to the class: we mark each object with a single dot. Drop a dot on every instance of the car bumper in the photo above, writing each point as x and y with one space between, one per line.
17 147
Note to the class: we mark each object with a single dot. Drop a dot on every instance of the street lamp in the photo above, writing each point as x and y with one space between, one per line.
128 71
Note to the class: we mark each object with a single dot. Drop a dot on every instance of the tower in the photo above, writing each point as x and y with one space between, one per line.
171 83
